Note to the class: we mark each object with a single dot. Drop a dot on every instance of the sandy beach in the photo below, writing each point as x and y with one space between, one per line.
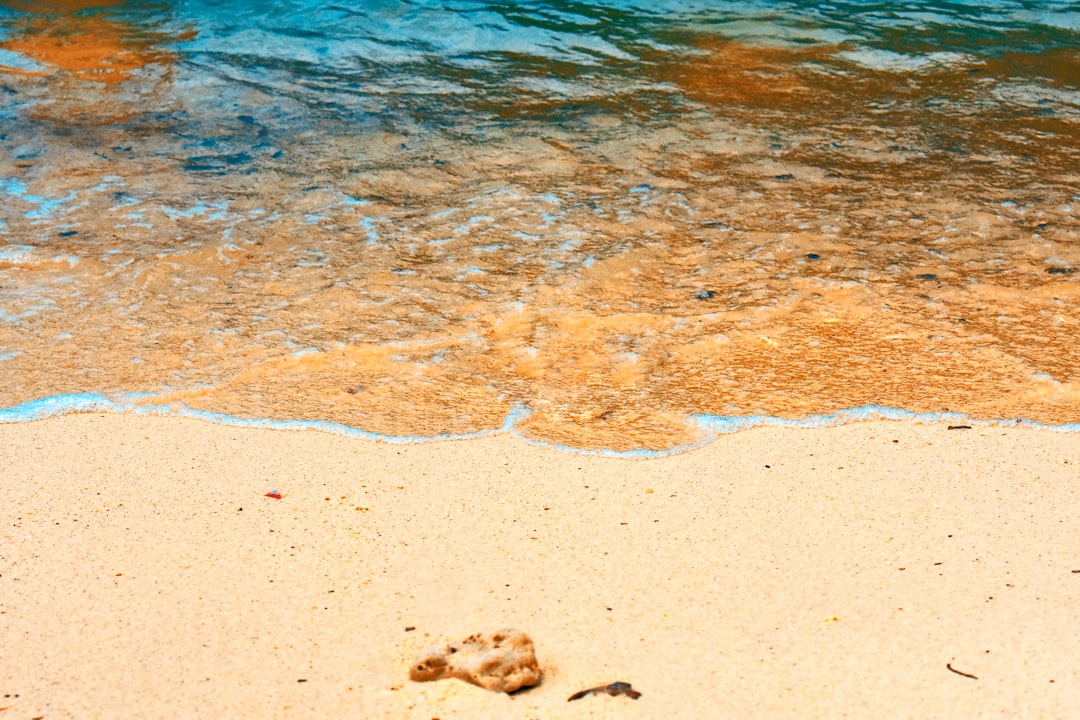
873 570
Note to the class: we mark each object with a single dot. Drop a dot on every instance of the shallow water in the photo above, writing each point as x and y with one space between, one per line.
413 218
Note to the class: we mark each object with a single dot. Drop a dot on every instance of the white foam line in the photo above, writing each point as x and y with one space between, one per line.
711 427
95 402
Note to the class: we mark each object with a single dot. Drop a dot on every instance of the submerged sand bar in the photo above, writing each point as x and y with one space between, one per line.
812 573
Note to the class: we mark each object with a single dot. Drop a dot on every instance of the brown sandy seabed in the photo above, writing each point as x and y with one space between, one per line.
775 573
614 275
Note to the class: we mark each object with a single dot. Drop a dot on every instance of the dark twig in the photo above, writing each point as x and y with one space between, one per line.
962 674
615 688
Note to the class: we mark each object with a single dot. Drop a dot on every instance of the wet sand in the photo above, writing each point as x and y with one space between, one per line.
871 570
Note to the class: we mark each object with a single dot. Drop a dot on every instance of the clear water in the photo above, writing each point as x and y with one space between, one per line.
600 220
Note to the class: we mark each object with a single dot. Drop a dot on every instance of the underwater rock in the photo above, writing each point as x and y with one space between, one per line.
503 661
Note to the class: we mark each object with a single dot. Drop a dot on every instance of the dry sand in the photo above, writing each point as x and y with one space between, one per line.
776 573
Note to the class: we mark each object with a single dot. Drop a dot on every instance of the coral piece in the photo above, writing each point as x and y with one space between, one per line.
503 661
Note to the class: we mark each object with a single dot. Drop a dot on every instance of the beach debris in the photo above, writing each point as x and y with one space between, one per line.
616 688
502 661
961 674
274 494
959 427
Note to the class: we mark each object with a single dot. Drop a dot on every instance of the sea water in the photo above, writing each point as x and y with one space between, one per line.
615 225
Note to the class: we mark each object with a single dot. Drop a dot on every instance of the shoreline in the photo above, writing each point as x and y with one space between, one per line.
709 428
773 572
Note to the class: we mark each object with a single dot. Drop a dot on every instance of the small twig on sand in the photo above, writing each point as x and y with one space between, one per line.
962 674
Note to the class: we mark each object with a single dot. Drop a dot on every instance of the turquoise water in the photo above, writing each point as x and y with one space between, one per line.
603 221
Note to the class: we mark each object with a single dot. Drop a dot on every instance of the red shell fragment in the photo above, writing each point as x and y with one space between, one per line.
274 494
